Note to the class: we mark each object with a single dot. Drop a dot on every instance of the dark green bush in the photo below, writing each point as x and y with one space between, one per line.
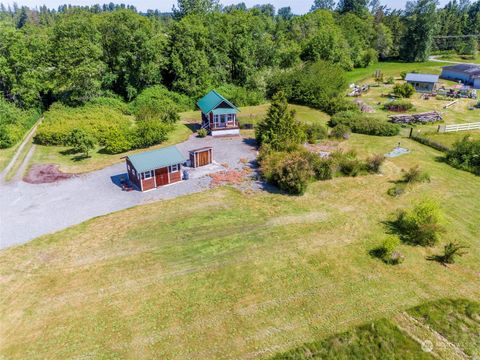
362 123
151 132
315 132
465 155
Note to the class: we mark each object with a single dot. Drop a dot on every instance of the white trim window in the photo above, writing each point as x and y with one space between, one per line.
174 168
147 175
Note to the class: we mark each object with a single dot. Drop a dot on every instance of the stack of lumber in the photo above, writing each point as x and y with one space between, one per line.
422 118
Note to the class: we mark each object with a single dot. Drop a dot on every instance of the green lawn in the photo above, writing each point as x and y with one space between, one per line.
230 274
6 155
448 139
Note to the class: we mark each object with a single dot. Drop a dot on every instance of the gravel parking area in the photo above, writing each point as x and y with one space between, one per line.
31 210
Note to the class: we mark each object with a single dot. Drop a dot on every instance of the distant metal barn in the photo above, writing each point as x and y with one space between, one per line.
201 157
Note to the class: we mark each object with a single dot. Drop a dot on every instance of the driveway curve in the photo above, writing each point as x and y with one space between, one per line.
31 210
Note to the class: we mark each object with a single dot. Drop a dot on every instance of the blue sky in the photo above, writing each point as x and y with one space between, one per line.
166 5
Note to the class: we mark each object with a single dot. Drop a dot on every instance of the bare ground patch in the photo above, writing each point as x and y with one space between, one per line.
45 173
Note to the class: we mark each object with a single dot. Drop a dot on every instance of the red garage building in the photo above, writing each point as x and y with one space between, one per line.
156 168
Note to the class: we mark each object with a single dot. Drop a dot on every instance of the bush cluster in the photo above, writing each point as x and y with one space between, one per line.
318 85
14 123
241 96
315 132
465 155
108 123
398 106
364 124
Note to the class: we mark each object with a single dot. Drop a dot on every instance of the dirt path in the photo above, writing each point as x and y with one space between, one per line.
17 154
430 340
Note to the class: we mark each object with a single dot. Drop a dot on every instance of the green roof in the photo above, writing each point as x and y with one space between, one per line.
156 159
210 101
222 111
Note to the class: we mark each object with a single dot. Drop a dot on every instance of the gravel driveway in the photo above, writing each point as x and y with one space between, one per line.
28 211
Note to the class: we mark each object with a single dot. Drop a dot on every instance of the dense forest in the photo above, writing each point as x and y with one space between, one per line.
74 55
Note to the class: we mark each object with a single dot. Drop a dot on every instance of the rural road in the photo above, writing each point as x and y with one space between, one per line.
31 210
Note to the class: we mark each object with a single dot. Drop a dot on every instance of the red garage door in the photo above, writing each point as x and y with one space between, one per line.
161 176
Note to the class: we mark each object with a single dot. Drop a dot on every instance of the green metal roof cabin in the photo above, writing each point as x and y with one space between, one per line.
152 169
219 115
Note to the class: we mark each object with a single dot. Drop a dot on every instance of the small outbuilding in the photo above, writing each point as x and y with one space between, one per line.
152 169
201 157
219 116
424 83
468 74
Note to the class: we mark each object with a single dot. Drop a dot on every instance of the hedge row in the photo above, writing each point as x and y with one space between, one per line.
431 143
364 124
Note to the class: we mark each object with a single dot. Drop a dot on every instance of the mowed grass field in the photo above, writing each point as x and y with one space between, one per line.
230 274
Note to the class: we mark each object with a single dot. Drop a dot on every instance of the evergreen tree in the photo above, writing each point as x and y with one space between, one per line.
280 130
355 6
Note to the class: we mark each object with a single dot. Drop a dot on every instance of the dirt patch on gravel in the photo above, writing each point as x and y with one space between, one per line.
229 177
45 173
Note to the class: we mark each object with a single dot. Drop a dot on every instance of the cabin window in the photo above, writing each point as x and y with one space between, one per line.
128 167
174 168
147 175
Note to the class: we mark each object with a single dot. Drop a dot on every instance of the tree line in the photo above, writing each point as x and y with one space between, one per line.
75 54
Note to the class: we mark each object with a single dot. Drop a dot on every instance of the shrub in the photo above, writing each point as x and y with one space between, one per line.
323 168
415 175
315 132
397 190
405 90
201 133
391 80
290 171
364 124
347 163
374 163
116 141
151 132
398 106
81 141
387 251
465 155
420 225
450 252
340 132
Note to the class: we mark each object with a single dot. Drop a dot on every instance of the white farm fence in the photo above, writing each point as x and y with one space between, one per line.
458 127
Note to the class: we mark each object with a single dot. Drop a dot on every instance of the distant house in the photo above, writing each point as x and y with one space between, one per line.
468 74
156 168
425 83
219 115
